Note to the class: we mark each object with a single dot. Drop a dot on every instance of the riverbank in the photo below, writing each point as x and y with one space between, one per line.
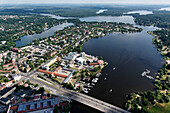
158 100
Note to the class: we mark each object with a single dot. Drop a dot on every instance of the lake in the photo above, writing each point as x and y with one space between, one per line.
29 38
57 17
140 12
119 19
131 54
165 9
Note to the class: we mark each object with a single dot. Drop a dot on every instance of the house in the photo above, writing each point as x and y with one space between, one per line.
20 83
28 69
53 53
16 50
2 86
8 84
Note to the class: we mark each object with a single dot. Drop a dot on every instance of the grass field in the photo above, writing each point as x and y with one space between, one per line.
160 108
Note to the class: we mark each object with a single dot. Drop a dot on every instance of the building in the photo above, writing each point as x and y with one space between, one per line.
81 60
35 105
16 77
53 53
28 69
71 56
16 50
8 84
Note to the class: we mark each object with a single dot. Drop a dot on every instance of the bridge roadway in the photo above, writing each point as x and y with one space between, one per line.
79 97
94 103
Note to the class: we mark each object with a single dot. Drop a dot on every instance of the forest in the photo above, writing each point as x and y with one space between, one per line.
161 20
164 36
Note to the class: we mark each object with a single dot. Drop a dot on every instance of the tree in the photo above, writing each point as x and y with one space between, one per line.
56 109
145 102
13 72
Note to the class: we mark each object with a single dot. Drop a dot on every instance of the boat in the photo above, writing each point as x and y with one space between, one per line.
105 78
92 84
110 90
144 73
114 68
147 71
95 80
86 91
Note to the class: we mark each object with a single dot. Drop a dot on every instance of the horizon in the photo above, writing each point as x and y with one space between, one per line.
122 2
50 4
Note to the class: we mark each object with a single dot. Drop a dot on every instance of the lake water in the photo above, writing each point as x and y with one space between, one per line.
131 54
122 19
57 17
29 38
140 12
165 9
101 11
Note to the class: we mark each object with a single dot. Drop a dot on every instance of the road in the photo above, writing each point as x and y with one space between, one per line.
79 97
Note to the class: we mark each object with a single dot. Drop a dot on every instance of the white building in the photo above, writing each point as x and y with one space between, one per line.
17 77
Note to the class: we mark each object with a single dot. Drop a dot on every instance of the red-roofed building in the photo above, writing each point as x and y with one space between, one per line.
5 71
8 84
100 62
26 85
2 87
20 83
58 69
8 68
48 72
6 65
43 71
16 50
56 74
63 104
23 100
13 107
28 69
93 64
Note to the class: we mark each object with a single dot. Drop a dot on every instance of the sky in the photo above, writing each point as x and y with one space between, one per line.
84 1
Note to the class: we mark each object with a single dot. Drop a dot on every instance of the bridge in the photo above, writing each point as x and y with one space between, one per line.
79 97
94 103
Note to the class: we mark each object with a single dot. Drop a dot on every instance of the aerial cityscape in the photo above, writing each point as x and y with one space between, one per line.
82 56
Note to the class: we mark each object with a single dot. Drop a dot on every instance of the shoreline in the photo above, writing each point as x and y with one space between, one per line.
146 107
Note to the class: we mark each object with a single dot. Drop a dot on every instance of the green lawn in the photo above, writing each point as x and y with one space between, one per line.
160 108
